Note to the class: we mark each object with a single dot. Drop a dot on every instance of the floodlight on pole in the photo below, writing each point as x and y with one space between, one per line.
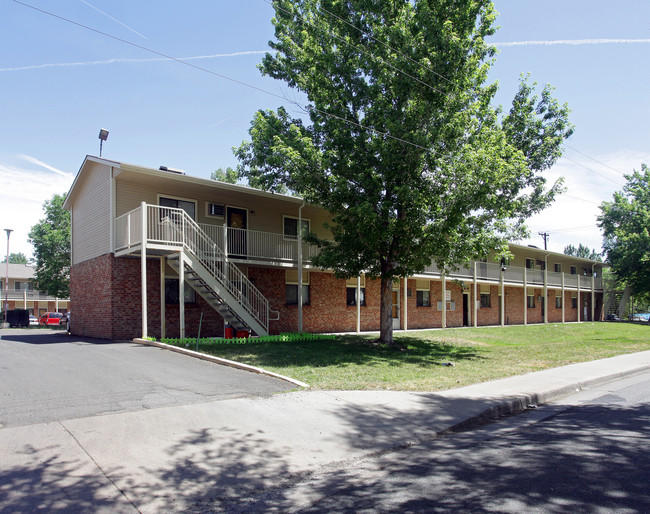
103 136
8 231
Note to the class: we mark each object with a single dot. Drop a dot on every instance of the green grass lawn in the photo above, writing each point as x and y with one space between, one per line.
477 354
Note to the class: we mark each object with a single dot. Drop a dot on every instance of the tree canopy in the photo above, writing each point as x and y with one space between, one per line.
228 175
583 252
398 139
625 222
50 238
16 258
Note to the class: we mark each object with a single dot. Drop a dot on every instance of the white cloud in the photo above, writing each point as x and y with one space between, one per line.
24 189
572 219
572 42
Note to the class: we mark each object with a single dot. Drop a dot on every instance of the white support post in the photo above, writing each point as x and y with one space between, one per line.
545 294
525 297
143 269
25 299
358 304
56 305
475 300
578 299
300 267
225 241
593 294
162 298
405 304
444 300
181 293
563 302
503 299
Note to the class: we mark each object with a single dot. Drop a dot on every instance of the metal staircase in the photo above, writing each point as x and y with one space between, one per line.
219 282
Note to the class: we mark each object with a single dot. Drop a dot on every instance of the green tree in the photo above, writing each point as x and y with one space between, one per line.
228 175
50 238
625 222
16 258
583 252
401 145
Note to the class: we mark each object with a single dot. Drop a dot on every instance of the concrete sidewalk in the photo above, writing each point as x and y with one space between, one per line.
173 458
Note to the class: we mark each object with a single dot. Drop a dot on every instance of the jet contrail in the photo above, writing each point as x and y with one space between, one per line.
126 60
116 21
573 42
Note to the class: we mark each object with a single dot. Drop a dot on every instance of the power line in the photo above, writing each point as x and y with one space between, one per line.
595 160
594 171
236 81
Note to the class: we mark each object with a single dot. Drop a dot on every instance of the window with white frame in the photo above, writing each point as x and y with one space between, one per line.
574 302
189 206
291 287
558 300
216 210
290 227
422 293
486 298
351 291
530 263
530 300
558 267
574 270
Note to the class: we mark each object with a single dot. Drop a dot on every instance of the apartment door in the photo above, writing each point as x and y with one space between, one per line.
237 220
465 309
395 295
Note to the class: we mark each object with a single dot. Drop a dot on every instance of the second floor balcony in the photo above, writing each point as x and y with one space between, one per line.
266 248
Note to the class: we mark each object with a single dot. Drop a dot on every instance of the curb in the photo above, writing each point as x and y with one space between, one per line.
521 402
219 360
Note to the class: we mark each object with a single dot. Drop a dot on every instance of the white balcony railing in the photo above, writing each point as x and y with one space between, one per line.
28 295
273 247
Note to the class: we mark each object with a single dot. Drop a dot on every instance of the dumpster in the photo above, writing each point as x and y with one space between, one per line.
18 318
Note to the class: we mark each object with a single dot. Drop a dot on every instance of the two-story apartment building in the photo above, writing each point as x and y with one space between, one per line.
158 252
22 293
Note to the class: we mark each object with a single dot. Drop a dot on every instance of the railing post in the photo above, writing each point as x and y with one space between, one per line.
143 268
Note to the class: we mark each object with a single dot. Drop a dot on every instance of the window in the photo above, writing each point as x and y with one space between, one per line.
172 291
558 301
292 294
423 298
188 206
291 287
351 295
23 286
574 302
558 267
530 263
216 209
541 264
530 302
290 229
486 300
351 290
422 292
574 270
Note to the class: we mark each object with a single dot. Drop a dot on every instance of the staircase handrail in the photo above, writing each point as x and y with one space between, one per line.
214 259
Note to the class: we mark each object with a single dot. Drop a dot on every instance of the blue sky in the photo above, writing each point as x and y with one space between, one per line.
60 83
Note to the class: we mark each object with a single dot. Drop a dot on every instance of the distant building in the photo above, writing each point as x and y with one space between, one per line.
22 295
157 252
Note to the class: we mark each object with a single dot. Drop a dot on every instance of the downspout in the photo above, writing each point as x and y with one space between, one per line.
300 266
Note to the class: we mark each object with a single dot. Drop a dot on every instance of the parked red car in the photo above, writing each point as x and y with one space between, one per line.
50 318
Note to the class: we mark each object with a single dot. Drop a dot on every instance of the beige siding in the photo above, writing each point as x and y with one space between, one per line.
265 214
91 215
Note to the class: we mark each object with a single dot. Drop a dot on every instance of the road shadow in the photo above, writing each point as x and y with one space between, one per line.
51 337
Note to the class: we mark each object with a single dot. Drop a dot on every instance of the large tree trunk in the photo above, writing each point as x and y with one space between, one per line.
386 312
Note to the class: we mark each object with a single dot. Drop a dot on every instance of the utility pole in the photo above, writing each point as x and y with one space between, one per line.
545 235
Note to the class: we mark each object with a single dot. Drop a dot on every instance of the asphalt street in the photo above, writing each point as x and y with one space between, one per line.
47 375
589 452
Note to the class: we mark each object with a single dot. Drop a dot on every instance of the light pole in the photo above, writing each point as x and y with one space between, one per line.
6 322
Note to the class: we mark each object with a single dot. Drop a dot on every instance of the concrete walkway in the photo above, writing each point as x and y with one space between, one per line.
184 458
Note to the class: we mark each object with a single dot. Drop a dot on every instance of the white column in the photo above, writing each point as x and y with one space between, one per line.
358 304
503 300
563 302
545 291
578 299
143 268
181 293
405 303
300 267
525 296
25 299
444 300
593 294
475 299
162 298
